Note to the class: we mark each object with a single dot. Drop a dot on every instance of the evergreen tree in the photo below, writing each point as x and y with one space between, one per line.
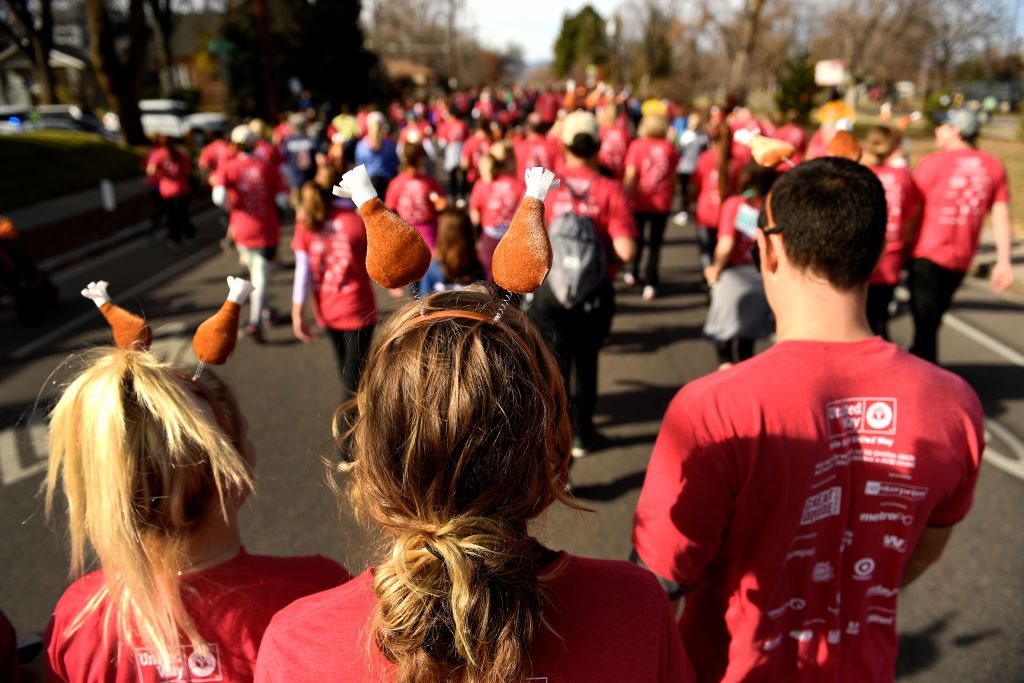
580 42
797 87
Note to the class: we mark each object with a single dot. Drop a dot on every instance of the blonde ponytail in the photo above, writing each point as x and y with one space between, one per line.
143 456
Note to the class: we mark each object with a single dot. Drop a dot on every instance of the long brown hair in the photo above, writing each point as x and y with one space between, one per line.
312 207
459 436
722 136
456 246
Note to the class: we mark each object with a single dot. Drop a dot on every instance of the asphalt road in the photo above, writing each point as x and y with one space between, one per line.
961 622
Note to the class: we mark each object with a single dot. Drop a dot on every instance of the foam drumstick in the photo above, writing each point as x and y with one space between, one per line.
395 251
766 151
523 256
215 339
845 146
130 331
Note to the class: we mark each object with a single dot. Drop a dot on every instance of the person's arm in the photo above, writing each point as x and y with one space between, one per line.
722 251
1002 229
301 323
926 553
629 179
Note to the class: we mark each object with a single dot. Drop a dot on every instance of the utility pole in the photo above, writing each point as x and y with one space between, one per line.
259 9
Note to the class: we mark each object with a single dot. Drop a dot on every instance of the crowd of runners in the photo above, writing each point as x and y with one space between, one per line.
788 499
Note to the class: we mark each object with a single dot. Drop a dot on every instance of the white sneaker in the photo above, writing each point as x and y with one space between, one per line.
650 293
629 279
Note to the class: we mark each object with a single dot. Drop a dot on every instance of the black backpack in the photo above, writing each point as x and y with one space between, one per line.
578 265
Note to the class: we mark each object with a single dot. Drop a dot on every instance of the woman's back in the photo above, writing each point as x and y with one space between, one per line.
609 621
231 604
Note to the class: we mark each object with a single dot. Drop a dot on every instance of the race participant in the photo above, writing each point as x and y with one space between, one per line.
739 312
576 330
615 140
451 135
473 149
153 467
713 182
377 152
495 200
882 155
535 149
690 142
215 152
455 264
168 167
254 190
650 178
959 185
412 193
264 147
460 589
330 272
794 496
299 158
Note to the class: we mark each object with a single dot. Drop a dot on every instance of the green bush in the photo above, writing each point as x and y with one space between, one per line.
45 164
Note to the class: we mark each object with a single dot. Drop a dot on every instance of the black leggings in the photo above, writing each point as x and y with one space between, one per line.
931 293
351 347
652 224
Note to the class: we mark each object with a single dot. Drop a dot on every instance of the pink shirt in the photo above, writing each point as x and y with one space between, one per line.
408 195
655 162
171 172
790 492
497 201
612 154
796 136
612 622
535 150
902 201
958 189
474 148
252 184
705 178
342 294
735 221
231 603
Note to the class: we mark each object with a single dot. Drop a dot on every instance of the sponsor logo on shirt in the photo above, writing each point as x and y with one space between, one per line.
834 637
886 516
188 665
881 615
794 604
822 505
893 542
852 628
803 636
863 569
823 572
879 591
893 490
770 645
864 415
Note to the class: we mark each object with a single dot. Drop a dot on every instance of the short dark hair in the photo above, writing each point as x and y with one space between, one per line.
832 213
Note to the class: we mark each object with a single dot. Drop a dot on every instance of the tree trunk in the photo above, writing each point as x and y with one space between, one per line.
43 72
120 79
163 23
751 20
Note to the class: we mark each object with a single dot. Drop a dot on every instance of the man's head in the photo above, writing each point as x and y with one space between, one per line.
243 137
824 221
957 125
580 135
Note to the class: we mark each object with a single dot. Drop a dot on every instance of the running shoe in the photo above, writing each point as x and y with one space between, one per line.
650 293
579 450
629 279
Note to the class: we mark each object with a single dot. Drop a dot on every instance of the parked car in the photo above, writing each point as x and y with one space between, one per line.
164 117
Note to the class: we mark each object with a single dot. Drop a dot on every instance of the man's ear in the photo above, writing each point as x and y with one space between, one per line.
766 245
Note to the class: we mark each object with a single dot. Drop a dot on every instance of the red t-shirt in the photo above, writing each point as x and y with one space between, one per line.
269 152
535 150
453 130
497 201
655 161
612 154
171 172
421 129
252 184
231 604
792 506
342 294
739 220
612 622
958 188
902 201
604 200
706 179
408 195
796 136
474 148
212 156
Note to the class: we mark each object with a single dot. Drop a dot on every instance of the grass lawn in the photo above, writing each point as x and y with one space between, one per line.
44 164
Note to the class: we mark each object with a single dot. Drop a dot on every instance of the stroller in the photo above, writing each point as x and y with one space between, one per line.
23 286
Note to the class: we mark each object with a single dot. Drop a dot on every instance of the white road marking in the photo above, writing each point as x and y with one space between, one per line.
1012 464
994 345
23 451
73 324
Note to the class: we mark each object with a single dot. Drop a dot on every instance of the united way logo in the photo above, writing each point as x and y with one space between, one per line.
861 415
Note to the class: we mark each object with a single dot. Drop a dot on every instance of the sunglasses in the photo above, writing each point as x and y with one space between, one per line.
772 228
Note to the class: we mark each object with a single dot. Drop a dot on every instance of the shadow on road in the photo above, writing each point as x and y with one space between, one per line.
920 650
640 402
996 385
611 490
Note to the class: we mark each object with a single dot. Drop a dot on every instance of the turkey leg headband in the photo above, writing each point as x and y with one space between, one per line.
213 342
766 151
396 254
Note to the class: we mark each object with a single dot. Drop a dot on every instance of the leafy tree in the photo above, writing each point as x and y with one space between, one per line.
581 42
318 43
29 25
797 87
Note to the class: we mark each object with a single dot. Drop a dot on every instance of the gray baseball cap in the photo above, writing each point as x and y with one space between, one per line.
966 121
